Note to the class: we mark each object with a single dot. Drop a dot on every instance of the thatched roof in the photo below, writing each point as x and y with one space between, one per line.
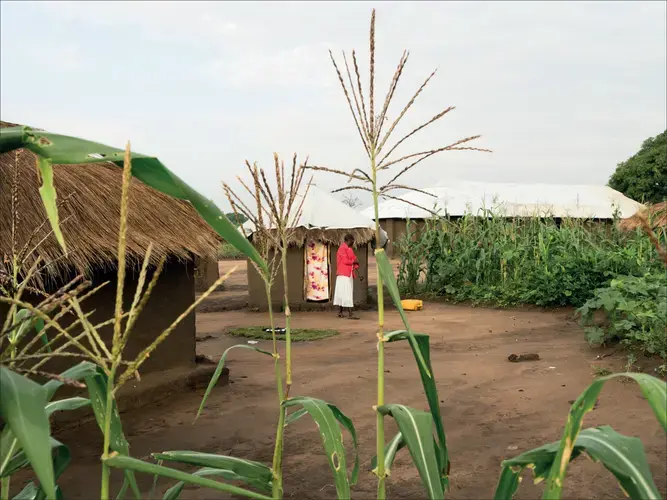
90 215
656 215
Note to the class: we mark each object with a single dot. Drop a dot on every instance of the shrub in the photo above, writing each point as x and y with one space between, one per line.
228 251
635 310
503 262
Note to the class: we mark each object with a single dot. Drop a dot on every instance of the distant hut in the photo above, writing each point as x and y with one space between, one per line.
206 272
655 215
90 214
311 258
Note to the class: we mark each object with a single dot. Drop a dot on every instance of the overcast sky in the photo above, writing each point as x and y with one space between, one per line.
560 91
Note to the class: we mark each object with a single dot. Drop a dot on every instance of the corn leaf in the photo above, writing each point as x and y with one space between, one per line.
60 462
397 443
218 372
28 493
417 427
48 193
389 280
332 439
655 392
62 149
294 416
431 391
254 474
346 422
97 391
623 456
66 405
175 491
77 372
22 403
23 322
132 464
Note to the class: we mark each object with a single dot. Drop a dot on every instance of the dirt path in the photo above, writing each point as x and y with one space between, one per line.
492 409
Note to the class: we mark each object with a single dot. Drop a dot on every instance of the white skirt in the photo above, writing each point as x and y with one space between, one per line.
344 292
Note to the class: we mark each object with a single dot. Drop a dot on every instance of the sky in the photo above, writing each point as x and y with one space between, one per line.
560 91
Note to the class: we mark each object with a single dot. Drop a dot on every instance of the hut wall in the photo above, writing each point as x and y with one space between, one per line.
173 293
396 230
296 274
206 273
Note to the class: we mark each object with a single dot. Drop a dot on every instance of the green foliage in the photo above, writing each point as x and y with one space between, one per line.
389 280
218 372
228 251
493 260
431 392
23 408
416 429
643 176
298 334
236 219
132 464
332 438
635 313
254 474
623 456
49 198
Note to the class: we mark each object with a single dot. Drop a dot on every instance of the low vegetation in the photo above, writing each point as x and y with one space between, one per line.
265 333
592 266
228 251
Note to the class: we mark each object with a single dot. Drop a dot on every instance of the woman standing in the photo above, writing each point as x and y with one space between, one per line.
346 266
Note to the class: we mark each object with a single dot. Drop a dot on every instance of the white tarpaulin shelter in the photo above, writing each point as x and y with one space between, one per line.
509 199
320 210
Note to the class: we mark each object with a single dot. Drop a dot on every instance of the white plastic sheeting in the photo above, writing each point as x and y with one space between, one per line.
555 200
321 210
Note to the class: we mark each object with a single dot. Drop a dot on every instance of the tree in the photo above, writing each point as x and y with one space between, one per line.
237 220
643 176
352 201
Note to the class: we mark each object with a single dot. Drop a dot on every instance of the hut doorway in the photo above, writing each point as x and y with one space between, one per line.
317 281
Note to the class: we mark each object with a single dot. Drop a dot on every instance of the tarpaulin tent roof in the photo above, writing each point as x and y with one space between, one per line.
325 218
511 199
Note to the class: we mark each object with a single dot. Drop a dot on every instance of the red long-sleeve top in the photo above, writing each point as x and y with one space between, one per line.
346 261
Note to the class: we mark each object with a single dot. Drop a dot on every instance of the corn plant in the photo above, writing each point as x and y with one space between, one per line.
105 370
528 260
415 426
275 218
623 456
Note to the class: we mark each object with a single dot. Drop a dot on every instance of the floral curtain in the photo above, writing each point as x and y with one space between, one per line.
317 271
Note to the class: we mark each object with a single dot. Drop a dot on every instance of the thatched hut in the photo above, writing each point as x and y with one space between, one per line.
655 215
89 197
323 224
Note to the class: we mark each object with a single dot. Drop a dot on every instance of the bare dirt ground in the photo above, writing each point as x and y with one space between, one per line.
492 409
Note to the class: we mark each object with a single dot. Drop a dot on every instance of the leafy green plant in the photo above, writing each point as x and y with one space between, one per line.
24 402
635 313
230 252
622 456
274 221
491 259
370 123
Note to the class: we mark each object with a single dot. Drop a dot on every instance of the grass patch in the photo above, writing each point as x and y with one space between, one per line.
298 335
